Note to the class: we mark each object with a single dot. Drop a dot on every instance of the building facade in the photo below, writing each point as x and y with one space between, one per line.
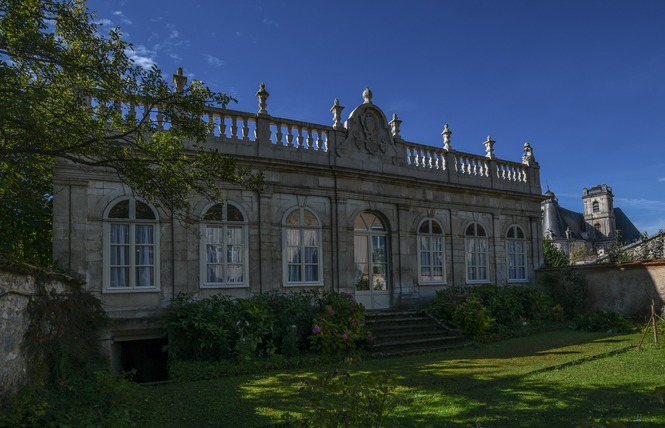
598 228
351 207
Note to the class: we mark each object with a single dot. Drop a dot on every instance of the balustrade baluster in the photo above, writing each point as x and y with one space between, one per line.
319 140
211 123
278 134
299 138
245 128
234 128
309 140
289 135
222 125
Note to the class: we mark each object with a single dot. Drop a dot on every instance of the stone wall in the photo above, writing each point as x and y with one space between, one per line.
627 288
16 290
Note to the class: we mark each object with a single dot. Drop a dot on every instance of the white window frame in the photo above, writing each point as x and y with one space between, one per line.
511 242
429 237
472 254
131 222
224 224
300 229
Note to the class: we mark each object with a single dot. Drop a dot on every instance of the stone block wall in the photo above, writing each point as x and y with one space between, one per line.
627 288
16 290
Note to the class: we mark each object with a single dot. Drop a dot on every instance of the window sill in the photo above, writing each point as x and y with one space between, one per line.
213 286
302 284
433 283
479 282
518 281
127 290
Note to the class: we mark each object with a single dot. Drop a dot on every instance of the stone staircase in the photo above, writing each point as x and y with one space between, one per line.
409 332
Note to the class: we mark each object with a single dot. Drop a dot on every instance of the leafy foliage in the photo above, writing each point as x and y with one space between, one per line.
340 399
554 257
339 327
102 400
68 96
607 321
568 289
487 308
219 327
62 339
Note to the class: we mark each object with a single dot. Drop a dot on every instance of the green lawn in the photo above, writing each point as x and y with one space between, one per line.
553 379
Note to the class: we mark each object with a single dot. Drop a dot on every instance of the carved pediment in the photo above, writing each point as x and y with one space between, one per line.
368 129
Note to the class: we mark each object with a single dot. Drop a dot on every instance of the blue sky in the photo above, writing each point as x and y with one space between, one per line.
583 81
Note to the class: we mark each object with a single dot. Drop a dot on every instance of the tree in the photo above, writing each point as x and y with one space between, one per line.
554 257
70 94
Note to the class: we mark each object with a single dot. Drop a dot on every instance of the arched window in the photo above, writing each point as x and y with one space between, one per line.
131 251
595 206
430 252
302 248
516 253
476 254
224 244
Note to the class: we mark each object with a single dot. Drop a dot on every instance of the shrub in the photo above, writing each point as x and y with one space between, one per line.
339 326
602 321
341 399
479 309
567 288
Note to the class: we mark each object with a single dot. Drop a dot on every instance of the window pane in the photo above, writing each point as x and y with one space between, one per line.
144 255
293 237
520 233
119 234
311 273
214 213
144 277
143 234
234 234
293 218
213 253
235 274
233 213
424 227
471 230
293 255
309 218
215 273
120 210
144 212
214 234
119 277
480 231
294 273
436 228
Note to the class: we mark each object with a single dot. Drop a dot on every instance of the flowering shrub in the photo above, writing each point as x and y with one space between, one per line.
339 326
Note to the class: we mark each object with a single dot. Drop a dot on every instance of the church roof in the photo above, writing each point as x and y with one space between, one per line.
629 232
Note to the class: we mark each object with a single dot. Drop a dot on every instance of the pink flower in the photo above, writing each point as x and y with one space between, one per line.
316 329
345 336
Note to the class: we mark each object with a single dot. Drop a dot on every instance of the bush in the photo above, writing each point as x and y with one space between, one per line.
341 399
339 326
567 288
220 328
481 309
103 400
611 322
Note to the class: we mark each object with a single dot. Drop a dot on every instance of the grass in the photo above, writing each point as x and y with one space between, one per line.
553 379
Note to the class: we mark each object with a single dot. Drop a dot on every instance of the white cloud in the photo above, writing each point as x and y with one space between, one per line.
174 34
661 180
156 19
104 22
141 56
214 60
270 22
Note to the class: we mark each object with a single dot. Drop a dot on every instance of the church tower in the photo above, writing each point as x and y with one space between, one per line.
599 211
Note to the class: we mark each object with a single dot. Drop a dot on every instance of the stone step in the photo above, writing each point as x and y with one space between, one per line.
398 333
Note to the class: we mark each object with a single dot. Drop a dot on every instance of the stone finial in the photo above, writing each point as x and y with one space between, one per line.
262 95
446 138
528 158
179 80
336 110
489 148
394 126
367 96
